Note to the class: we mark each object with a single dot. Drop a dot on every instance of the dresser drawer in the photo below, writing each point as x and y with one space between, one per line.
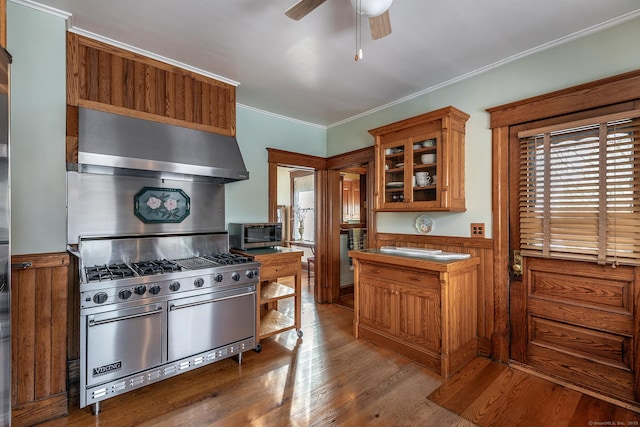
273 271
415 277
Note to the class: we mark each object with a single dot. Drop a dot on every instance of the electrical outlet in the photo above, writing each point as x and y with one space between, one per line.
477 229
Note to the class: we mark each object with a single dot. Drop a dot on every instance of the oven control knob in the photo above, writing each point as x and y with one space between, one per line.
154 290
174 286
140 289
100 297
218 277
199 282
235 276
124 294
249 274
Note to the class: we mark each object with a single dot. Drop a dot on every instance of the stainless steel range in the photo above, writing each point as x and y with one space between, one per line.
152 307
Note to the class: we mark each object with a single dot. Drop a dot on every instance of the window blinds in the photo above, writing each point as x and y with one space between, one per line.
580 190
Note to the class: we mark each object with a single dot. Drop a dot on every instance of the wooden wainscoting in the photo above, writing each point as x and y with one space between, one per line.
38 337
481 248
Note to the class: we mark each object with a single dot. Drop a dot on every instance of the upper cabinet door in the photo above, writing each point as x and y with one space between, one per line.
420 163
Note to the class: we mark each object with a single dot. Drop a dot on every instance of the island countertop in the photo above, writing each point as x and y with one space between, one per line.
412 261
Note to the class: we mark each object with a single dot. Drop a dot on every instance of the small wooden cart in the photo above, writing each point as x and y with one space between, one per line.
277 263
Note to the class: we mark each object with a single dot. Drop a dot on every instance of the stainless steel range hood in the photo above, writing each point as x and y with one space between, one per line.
120 145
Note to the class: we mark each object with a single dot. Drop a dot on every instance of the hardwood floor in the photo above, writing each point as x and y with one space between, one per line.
329 378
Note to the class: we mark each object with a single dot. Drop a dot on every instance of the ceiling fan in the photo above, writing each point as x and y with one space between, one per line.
376 10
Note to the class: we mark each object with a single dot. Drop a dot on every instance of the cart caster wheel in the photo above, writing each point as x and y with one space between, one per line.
258 348
300 334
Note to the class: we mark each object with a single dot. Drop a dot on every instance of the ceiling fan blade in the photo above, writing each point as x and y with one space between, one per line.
380 26
302 8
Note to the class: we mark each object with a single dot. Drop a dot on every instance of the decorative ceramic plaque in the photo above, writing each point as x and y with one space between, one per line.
161 205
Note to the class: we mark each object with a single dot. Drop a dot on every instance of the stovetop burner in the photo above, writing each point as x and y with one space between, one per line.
175 256
161 266
227 258
147 268
108 272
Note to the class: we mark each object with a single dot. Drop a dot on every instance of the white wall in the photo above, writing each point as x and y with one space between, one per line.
608 52
37 42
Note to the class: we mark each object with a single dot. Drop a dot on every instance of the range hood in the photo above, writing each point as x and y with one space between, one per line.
120 145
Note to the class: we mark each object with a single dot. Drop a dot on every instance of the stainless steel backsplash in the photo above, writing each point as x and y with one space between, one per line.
103 205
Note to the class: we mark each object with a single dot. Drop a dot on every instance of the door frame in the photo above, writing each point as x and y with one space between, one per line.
363 156
319 165
612 90
328 214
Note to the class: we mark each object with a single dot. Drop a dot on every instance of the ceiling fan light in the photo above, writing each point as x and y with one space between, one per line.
372 7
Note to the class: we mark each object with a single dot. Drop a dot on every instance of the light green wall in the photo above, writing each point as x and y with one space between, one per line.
36 40
609 52
247 201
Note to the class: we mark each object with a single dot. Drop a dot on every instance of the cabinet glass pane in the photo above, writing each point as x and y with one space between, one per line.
425 170
394 173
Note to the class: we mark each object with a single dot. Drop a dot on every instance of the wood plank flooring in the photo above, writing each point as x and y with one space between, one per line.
329 378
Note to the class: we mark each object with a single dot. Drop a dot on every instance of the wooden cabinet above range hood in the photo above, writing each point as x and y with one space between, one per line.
107 78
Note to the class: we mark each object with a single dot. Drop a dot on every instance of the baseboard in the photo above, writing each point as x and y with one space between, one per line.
39 411
346 290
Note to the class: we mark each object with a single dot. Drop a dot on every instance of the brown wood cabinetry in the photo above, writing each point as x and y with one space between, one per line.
350 200
423 309
431 144
39 337
276 265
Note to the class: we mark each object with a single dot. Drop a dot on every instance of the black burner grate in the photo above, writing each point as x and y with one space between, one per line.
227 258
108 272
147 268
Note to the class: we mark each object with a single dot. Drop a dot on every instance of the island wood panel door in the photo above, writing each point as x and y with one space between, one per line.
572 320
376 304
419 316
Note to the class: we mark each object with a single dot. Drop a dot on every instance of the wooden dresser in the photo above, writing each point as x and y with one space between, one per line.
423 309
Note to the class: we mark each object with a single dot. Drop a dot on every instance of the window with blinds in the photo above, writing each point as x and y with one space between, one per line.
579 190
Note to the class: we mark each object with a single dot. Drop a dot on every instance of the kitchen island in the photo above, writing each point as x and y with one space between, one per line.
422 308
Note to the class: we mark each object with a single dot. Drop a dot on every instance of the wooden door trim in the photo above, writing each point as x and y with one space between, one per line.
612 90
318 164
336 163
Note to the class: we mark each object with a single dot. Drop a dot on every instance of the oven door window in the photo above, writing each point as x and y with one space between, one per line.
203 323
122 342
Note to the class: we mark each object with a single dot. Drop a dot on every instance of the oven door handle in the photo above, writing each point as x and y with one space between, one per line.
173 306
93 322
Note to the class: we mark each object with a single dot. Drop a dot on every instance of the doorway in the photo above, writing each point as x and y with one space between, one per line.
328 219
295 195
572 320
351 178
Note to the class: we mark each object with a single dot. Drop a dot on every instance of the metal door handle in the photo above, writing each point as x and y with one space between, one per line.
21 265
517 263
93 322
173 307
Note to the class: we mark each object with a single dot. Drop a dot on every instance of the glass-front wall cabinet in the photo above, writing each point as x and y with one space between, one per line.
420 163
411 169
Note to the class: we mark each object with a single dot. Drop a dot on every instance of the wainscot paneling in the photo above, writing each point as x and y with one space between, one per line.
39 337
481 248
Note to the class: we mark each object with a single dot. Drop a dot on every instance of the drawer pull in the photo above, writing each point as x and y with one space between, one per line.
22 265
